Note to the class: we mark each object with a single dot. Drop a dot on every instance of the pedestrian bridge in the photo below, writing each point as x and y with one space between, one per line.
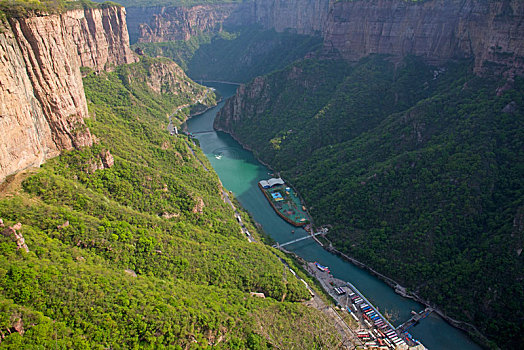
321 232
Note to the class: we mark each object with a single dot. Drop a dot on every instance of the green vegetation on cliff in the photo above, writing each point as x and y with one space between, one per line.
238 54
23 8
184 3
144 253
418 169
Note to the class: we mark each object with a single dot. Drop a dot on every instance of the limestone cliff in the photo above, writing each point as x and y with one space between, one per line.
300 16
42 101
180 23
491 32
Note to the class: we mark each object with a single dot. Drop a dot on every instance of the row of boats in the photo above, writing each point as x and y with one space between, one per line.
377 332
380 334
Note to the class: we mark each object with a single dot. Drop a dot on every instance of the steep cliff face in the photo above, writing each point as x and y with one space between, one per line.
136 16
180 23
100 37
301 16
241 106
491 32
43 105
494 33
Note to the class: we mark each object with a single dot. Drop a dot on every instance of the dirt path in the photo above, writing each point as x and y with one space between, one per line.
351 341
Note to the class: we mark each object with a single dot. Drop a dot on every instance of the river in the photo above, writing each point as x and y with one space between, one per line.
240 172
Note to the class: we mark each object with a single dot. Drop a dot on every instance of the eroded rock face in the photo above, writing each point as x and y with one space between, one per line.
100 36
104 160
42 101
491 32
241 106
11 232
181 23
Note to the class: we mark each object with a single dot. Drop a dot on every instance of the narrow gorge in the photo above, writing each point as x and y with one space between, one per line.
119 235
379 129
490 32
399 122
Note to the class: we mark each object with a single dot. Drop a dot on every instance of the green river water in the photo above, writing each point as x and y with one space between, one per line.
240 172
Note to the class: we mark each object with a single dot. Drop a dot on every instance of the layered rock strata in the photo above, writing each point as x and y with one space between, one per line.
42 101
181 23
491 32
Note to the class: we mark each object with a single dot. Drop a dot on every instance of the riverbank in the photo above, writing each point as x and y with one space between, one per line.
238 169
470 329
216 81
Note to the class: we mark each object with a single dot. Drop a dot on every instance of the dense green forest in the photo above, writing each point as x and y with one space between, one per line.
418 170
144 253
235 54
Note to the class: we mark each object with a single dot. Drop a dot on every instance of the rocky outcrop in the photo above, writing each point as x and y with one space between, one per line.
165 77
491 32
181 23
42 101
251 99
100 37
104 160
11 232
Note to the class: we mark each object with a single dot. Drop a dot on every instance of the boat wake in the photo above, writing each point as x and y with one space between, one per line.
228 152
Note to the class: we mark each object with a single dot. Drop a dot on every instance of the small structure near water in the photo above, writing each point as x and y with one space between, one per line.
284 201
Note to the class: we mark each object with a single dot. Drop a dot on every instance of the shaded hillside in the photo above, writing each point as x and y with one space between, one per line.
238 54
490 32
417 169
130 243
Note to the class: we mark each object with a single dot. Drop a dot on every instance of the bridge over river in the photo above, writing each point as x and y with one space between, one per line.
321 232
240 172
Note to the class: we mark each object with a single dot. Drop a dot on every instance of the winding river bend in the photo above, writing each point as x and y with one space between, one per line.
239 171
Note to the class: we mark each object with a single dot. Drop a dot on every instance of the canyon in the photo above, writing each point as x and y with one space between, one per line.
42 101
490 32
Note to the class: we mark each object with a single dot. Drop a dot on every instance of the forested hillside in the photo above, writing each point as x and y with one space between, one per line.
236 54
418 171
130 243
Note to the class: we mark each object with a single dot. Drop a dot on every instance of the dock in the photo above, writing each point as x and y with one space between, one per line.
373 329
284 201
417 316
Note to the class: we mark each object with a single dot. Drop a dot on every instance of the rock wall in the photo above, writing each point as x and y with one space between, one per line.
300 16
180 23
100 37
490 31
136 16
42 101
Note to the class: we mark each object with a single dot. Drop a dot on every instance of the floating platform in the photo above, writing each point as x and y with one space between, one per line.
284 201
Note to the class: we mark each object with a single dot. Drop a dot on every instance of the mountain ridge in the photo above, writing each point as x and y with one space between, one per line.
490 32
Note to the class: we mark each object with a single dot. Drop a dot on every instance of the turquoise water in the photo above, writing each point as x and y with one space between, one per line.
239 171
